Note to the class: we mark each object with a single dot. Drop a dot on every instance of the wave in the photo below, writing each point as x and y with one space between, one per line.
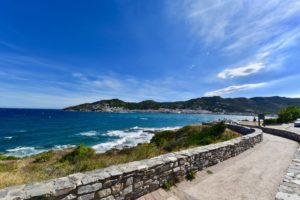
8 137
128 138
21 152
65 146
24 151
89 133
118 139
21 131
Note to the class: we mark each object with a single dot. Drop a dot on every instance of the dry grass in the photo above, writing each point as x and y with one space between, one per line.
50 165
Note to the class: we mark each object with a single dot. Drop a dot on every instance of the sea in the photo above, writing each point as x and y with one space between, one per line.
25 132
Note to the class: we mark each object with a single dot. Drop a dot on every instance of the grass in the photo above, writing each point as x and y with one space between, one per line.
60 163
168 184
191 175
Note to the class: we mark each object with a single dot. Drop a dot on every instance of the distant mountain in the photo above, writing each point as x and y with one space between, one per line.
214 104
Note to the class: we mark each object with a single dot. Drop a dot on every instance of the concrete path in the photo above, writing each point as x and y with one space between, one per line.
288 127
252 175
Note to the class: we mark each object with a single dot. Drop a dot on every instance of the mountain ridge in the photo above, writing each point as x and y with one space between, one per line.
215 104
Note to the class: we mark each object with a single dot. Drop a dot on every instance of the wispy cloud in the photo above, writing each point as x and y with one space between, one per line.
9 45
240 23
233 89
241 71
234 26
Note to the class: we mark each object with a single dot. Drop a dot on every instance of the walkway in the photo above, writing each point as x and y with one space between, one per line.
252 175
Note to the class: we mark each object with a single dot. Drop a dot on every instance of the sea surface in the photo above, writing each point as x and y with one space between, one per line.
25 132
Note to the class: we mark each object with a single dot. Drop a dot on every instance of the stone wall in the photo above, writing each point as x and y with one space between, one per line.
278 132
282 133
132 180
289 189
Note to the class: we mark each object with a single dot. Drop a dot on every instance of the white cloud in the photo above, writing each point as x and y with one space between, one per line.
240 23
233 89
233 26
241 71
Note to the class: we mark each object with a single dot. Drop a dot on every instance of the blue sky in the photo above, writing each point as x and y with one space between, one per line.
60 53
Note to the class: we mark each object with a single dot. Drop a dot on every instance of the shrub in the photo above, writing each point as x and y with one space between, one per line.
209 172
288 114
3 157
168 184
271 121
163 137
81 152
218 129
44 157
191 175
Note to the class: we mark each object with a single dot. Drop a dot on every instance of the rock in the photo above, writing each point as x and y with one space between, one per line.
89 188
63 186
86 196
138 184
69 197
117 188
95 176
39 189
286 196
129 181
108 198
103 193
127 190
76 178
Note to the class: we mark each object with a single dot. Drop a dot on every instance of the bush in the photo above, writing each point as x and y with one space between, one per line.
191 175
44 157
218 129
271 121
3 157
168 184
188 136
288 114
163 137
81 152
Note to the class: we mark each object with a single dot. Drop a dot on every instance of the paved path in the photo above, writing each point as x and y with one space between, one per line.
288 127
252 175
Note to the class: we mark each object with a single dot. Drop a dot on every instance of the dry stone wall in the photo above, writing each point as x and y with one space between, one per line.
289 189
132 180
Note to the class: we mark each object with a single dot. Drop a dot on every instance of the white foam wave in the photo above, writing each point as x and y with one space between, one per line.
128 138
24 151
8 137
21 131
60 147
29 151
89 133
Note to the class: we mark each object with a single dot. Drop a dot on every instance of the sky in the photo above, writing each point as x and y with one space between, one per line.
59 53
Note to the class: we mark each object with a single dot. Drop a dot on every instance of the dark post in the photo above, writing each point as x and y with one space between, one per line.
261 117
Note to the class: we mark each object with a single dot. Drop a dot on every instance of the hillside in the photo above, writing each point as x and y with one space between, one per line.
199 105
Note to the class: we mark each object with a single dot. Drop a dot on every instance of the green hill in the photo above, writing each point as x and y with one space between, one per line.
199 105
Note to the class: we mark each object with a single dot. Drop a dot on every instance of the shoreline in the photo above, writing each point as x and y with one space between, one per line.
165 112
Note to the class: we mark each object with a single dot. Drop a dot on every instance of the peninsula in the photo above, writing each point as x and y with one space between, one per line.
214 104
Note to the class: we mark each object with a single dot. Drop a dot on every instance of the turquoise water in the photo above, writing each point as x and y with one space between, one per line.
26 132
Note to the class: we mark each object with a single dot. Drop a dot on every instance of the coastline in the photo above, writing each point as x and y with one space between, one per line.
72 160
200 112
46 130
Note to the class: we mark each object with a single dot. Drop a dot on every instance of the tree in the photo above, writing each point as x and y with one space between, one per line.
288 114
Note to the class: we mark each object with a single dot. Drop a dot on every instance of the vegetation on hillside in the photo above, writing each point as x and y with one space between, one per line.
285 115
54 164
213 104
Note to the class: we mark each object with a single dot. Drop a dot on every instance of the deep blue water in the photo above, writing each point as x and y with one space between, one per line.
30 131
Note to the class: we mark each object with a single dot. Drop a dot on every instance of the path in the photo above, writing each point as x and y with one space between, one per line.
252 175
